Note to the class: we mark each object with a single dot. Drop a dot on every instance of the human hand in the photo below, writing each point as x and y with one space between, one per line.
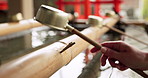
127 55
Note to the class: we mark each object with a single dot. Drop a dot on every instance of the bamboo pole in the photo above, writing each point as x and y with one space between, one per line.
134 22
121 32
46 61
8 28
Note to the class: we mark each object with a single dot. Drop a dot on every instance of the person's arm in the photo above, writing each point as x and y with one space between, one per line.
146 60
147 56
127 55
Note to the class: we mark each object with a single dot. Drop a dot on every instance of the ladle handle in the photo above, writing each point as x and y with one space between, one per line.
140 72
121 32
75 31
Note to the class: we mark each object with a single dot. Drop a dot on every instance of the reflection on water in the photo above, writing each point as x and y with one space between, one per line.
50 36
18 44
8 48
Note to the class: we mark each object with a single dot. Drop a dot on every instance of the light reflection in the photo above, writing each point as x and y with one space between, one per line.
37 38
47 36
44 34
51 33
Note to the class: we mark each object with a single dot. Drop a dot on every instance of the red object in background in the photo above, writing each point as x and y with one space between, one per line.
87 6
3 5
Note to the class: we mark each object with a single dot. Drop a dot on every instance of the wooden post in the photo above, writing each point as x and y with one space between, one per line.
27 9
61 5
97 8
87 8
77 7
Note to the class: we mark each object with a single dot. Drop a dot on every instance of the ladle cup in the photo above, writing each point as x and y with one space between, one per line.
58 19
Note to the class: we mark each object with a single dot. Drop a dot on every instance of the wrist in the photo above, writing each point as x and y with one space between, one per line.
146 61
146 57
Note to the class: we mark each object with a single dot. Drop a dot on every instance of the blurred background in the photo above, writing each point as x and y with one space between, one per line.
132 9
19 43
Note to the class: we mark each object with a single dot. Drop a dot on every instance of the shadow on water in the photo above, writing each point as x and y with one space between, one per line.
18 44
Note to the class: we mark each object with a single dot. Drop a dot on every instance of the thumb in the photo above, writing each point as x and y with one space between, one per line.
110 53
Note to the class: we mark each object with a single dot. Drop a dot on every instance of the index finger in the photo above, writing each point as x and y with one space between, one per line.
114 45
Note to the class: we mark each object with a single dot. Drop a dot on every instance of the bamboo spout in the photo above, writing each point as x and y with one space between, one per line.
93 19
9 28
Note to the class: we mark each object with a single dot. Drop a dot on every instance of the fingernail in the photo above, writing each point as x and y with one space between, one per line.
103 49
